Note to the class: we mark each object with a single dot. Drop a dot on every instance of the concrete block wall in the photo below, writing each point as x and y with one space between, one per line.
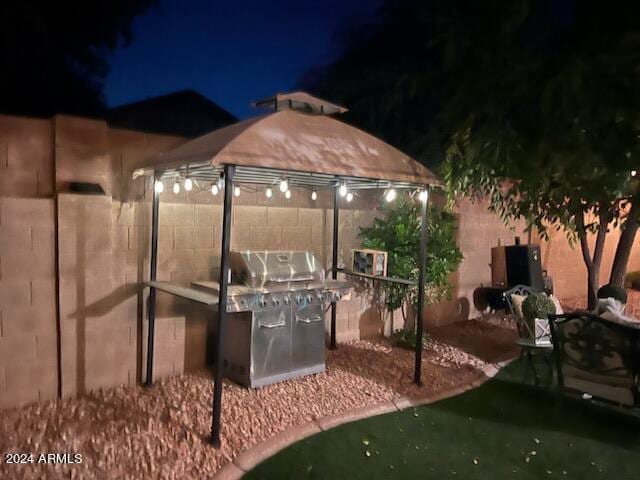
103 258
98 331
28 342
478 231
566 266
26 157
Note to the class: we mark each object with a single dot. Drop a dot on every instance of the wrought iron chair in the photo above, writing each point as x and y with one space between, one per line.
524 291
596 356
527 344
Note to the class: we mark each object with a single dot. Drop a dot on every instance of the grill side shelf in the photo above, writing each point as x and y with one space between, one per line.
192 294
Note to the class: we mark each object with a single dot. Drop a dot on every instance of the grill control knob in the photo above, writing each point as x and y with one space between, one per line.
337 295
263 302
286 300
299 299
275 302
309 298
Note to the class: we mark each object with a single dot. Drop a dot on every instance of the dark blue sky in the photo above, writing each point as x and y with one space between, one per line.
232 52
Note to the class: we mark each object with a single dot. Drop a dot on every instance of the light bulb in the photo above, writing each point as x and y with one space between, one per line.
214 189
188 184
343 190
268 192
159 186
391 195
314 195
287 194
423 195
633 173
220 183
349 196
176 187
236 191
284 185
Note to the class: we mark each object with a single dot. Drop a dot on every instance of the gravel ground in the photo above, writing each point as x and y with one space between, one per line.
162 432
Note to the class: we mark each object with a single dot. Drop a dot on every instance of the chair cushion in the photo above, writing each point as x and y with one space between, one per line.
516 303
556 302
622 395
577 373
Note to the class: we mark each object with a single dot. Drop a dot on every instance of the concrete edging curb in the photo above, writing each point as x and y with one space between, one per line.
251 457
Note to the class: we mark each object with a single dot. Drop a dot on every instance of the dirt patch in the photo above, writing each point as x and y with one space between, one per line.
162 432
491 340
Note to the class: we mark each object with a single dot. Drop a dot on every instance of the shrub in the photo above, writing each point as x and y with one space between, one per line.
611 291
397 231
537 305
632 279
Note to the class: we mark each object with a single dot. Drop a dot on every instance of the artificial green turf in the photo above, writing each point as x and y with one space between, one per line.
504 429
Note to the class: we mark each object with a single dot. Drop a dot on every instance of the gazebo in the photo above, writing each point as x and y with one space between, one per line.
296 145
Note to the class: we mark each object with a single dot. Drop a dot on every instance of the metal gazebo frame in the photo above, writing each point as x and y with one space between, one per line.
213 170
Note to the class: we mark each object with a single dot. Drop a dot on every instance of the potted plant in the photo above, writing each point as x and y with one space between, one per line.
536 309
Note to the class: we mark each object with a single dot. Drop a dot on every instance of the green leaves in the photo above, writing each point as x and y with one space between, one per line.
398 233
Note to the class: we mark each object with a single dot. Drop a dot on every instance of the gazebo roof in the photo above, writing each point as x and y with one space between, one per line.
290 140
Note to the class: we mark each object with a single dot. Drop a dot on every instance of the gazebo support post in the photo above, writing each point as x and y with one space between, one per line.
422 259
155 210
334 265
229 171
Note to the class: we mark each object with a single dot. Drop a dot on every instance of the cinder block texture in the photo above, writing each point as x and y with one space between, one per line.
96 351
28 350
26 159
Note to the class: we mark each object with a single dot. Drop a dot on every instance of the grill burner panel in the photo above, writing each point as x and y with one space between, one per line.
241 298
276 330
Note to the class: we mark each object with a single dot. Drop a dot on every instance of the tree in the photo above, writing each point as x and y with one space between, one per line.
553 134
53 54
533 103
397 232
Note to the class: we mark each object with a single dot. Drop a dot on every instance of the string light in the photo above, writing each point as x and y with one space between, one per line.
236 191
423 195
287 194
176 187
188 184
390 196
214 189
343 190
159 186
634 173
349 196
314 194
284 185
268 192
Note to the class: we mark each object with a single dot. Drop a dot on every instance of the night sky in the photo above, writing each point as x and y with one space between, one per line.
232 52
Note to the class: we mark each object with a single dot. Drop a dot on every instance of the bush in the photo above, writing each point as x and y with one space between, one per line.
397 232
632 280
611 291
537 305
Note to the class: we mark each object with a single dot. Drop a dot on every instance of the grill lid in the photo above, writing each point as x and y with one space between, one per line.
258 269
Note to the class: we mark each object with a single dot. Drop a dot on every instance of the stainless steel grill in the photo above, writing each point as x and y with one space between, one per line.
278 301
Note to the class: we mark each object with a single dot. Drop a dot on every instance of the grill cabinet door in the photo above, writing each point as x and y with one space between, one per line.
271 343
308 336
